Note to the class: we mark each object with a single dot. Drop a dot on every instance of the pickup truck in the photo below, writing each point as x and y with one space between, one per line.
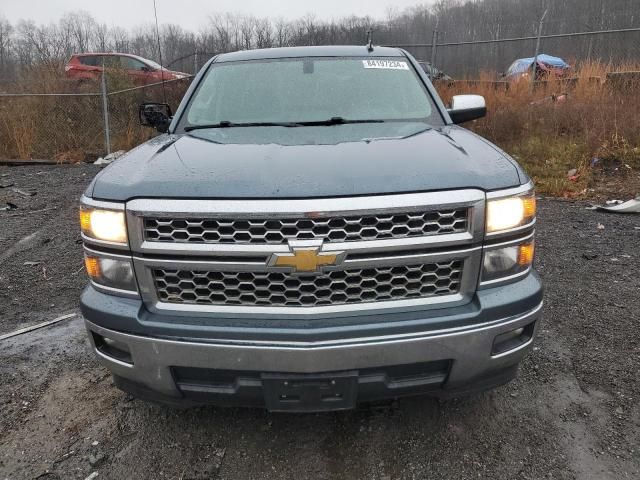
310 231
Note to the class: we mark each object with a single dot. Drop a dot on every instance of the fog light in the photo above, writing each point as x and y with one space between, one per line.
512 339
112 348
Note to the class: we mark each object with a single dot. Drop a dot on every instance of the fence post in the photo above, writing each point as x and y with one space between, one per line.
433 47
105 113
195 62
535 58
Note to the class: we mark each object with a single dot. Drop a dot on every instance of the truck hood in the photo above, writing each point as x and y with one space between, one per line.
276 162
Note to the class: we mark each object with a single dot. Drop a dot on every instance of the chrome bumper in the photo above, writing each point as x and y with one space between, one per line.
468 348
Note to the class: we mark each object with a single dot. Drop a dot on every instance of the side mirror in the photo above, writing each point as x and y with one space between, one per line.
156 115
465 108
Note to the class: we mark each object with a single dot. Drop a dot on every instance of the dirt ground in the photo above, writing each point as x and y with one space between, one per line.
573 412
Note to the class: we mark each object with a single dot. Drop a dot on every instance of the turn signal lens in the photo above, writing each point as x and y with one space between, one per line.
529 204
92 264
85 220
525 254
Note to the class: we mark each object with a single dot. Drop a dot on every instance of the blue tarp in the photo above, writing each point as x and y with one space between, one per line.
524 64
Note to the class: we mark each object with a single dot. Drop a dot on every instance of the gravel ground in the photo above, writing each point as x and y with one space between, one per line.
573 412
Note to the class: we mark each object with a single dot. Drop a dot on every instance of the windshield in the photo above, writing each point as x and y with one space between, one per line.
311 90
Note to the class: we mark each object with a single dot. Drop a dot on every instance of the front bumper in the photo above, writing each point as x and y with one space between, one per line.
455 359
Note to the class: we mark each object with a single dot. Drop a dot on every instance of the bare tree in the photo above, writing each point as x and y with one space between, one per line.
264 33
282 32
6 32
246 25
79 28
25 43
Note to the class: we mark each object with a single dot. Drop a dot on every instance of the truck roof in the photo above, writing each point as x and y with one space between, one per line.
320 51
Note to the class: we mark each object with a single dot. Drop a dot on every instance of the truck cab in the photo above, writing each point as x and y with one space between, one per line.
311 230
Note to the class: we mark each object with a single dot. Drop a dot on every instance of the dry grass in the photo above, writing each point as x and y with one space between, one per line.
596 120
71 128
594 129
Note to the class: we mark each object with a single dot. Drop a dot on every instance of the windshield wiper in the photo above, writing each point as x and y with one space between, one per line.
228 124
336 121
308 123
311 123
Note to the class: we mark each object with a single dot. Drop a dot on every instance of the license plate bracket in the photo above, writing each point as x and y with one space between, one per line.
310 393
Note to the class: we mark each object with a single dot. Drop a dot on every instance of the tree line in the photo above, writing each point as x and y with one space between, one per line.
25 45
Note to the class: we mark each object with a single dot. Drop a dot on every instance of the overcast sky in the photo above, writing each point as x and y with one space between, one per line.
191 14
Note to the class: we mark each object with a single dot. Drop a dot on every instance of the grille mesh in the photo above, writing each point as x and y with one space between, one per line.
333 229
330 288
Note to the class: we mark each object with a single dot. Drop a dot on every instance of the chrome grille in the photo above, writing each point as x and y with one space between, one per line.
331 229
395 251
331 288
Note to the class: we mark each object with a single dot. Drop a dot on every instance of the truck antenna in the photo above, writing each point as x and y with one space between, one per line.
370 40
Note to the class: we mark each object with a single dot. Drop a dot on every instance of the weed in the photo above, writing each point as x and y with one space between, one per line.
587 124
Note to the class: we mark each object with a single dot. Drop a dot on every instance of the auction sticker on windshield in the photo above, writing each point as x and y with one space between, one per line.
385 64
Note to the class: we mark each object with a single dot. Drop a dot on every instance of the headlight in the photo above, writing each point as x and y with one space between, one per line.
110 272
507 261
510 212
102 224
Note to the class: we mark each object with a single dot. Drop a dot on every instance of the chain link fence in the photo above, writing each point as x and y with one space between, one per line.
466 58
124 126
50 126
84 121
91 120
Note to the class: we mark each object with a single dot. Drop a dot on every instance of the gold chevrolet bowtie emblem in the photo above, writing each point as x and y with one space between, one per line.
305 259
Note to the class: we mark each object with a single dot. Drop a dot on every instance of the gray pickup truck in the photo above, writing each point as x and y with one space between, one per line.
311 230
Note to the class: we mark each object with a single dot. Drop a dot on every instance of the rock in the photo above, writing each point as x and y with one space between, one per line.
92 476
96 459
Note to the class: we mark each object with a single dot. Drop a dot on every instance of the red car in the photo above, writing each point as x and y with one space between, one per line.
89 66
